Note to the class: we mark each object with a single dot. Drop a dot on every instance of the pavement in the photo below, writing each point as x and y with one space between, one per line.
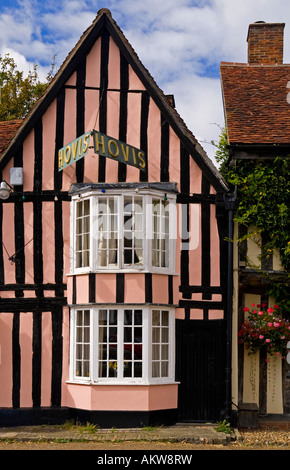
196 434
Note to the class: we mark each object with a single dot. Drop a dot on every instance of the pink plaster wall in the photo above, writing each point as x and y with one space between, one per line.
105 288
134 81
48 241
69 281
49 128
82 289
159 289
113 106
133 130
46 359
6 171
66 238
93 65
122 397
134 288
154 142
215 314
6 381
196 248
68 174
66 344
25 340
8 242
196 314
195 177
215 248
174 160
113 65
28 162
28 250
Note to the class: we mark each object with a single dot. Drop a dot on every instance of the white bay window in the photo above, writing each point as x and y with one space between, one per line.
127 230
121 344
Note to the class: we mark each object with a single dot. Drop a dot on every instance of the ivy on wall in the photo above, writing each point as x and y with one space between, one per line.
263 201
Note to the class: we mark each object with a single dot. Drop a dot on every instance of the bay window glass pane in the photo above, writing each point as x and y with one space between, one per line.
160 242
108 343
107 228
82 351
133 342
133 231
82 237
160 343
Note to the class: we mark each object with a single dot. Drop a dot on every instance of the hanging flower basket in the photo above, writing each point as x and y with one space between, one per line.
265 328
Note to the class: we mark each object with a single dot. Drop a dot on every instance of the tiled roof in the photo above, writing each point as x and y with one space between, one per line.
7 131
255 103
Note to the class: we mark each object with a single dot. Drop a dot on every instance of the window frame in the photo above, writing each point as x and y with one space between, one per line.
147 361
147 197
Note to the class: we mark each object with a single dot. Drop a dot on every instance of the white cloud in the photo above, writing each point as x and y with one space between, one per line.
198 101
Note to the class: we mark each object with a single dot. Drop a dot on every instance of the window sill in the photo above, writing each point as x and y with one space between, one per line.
113 382
128 271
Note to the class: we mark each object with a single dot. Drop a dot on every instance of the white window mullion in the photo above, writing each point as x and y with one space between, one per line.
72 236
121 231
148 233
93 234
73 345
147 347
120 355
94 344
171 346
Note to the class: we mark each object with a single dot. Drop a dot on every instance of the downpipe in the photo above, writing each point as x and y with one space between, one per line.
230 204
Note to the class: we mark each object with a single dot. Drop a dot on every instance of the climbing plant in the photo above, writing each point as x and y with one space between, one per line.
263 202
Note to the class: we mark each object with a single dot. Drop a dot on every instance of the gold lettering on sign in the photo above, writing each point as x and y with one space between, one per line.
111 152
60 158
75 149
86 143
67 151
125 153
80 146
141 158
98 143
119 151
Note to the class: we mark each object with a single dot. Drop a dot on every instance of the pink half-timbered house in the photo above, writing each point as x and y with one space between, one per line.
115 276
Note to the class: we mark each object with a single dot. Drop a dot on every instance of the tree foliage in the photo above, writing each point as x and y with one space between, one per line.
18 93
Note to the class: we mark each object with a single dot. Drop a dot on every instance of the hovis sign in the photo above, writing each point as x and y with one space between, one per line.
73 151
103 145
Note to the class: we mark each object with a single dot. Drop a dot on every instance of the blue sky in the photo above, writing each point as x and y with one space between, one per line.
181 42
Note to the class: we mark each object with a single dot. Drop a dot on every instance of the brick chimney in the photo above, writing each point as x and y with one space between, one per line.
265 43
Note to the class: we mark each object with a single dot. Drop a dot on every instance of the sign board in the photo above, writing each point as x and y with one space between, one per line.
105 146
73 151
119 151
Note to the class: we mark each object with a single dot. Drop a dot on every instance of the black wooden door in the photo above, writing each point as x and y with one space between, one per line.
200 369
